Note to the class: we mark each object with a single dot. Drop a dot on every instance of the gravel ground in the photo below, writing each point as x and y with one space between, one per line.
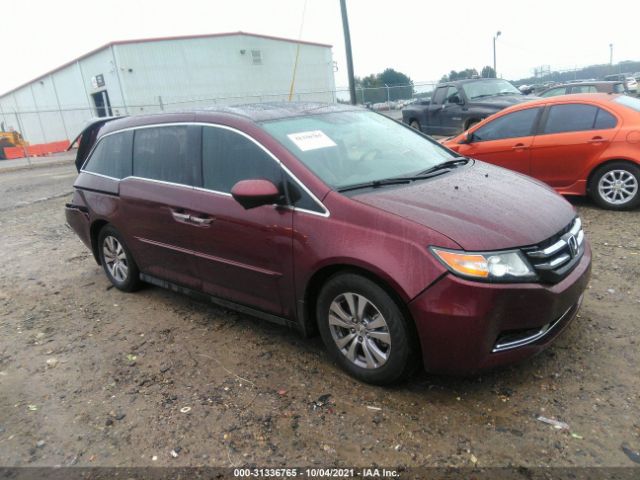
91 376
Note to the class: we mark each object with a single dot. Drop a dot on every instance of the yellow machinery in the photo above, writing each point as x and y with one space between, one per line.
11 139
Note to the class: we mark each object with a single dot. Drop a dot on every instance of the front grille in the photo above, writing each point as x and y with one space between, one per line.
554 258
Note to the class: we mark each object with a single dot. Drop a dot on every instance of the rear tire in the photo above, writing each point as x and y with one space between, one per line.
117 261
616 186
364 330
415 124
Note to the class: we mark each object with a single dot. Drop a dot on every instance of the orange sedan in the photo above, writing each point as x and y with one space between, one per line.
577 144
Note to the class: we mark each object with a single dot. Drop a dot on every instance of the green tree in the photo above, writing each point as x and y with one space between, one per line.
389 84
461 75
488 72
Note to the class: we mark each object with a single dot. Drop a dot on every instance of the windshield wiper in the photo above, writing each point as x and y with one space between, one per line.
454 162
376 183
430 172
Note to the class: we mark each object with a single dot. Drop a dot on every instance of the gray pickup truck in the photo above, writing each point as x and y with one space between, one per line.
455 106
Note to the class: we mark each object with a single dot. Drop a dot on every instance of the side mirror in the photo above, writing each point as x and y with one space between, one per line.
455 100
255 193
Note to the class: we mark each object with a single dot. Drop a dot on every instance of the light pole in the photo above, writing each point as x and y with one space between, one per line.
347 46
388 97
498 33
611 54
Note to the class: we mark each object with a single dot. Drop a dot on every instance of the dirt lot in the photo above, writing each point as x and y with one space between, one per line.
92 376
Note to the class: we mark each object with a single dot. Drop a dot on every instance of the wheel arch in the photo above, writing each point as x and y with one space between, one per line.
94 232
603 164
320 277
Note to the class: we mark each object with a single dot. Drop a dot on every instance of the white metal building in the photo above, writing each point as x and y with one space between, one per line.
177 73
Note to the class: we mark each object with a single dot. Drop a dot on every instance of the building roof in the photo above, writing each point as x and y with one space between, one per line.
162 39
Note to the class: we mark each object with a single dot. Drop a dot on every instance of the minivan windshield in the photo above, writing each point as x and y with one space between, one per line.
489 88
355 147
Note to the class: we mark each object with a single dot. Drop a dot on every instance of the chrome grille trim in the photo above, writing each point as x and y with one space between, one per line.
554 261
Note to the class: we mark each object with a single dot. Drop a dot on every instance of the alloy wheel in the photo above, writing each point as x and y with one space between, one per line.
359 330
618 187
115 258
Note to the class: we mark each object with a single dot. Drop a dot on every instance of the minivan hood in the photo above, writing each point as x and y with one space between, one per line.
479 206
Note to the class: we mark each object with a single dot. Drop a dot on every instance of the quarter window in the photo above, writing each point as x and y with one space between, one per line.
112 156
575 117
169 154
512 125
604 120
228 157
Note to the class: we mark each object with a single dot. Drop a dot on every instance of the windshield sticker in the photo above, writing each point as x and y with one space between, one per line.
311 140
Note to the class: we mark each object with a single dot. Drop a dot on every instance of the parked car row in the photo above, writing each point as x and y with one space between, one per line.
456 106
338 220
577 144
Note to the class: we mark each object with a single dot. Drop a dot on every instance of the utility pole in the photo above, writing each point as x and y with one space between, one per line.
495 72
347 46
611 54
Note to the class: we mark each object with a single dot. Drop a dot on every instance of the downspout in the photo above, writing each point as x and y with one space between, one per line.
115 65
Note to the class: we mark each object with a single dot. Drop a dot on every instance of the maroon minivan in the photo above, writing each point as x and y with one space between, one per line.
339 220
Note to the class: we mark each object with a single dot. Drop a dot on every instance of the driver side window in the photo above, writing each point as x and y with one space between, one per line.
228 157
452 97
512 125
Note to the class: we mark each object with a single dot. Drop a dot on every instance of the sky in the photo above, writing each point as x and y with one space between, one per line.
422 39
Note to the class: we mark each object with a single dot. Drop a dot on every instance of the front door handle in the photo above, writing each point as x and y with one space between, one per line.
201 221
519 146
179 216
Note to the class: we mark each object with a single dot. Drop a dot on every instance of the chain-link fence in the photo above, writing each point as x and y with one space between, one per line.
54 123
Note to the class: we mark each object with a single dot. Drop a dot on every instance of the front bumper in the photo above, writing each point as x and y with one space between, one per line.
465 326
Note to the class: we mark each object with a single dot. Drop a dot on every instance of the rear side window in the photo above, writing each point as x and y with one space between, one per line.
112 156
169 154
228 157
577 117
512 125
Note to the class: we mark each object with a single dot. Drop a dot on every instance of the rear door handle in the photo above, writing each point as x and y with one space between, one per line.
597 140
519 146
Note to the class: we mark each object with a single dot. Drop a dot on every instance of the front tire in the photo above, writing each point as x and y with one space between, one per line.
616 186
364 330
415 124
117 261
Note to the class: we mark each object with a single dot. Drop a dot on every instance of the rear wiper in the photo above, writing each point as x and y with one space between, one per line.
454 162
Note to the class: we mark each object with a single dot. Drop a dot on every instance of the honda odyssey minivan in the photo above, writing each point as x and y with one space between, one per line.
337 220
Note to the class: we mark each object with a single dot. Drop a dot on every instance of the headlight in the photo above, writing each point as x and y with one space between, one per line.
506 266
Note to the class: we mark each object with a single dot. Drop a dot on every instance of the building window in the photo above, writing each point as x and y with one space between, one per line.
256 56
